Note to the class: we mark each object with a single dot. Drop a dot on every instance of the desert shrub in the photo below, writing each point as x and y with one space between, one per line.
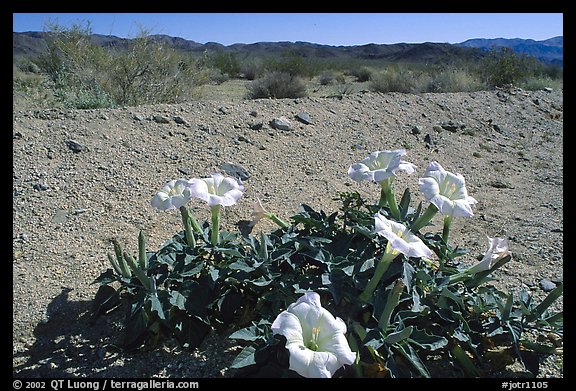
539 83
453 80
251 68
277 85
292 63
326 78
227 63
362 74
85 75
394 79
504 66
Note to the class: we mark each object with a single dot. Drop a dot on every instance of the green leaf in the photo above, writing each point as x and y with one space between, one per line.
244 358
427 341
398 336
106 299
156 306
246 334
406 350
547 302
404 204
106 278
178 300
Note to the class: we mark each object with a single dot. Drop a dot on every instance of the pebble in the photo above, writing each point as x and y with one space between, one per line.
281 123
547 285
304 118
160 119
416 130
181 121
235 170
256 125
75 146
41 187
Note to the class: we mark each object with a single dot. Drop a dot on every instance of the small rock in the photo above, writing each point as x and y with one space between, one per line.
452 126
558 280
559 230
160 119
428 139
548 89
223 110
262 148
476 154
256 125
79 211
40 187
137 117
181 121
75 146
304 118
416 130
60 216
183 171
437 128
104 117
536 101
235 170
22 237
281 123
17 136
547 285
499 184
253 113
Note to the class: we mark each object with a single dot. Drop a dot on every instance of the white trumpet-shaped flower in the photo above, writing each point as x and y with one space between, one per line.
447 191
216 190
380 165
173 195
314 338
400 239
497 249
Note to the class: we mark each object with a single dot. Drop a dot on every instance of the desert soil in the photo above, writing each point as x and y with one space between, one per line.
67 205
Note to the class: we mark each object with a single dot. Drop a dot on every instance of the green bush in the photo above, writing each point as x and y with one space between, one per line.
362 74
227 63
453 80
394 79
326 78
503 67
277 85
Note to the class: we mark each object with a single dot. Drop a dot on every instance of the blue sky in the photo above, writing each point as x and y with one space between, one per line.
330 29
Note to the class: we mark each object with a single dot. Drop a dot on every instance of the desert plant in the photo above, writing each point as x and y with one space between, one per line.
362 74
453 80
326 78
277 85
394 79
504 66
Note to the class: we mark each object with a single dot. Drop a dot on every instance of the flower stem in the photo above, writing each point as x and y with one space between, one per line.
281 223
392 202
214 238
446 230
197 228
424 218
383 201
381 268
391 303
186 221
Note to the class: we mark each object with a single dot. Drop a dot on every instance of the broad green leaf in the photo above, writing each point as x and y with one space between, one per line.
427 341
244 358
398 336
156 306
246 334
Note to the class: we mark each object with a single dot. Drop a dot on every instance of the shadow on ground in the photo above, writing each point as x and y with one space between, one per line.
70 344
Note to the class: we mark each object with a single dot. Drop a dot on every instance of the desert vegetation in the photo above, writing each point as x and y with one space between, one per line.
76 72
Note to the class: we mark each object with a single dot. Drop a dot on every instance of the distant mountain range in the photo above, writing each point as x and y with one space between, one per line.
549 51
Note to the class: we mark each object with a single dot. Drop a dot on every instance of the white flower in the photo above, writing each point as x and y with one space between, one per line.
497 249
173 195
315 339
216 190
400 239
258 212
380 165
446 191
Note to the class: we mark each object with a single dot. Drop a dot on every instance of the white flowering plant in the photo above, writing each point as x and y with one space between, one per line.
359 292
